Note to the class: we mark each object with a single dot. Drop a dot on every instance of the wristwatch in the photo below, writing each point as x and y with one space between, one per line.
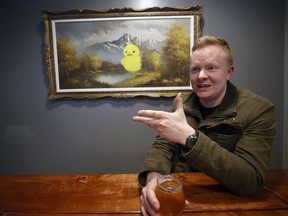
190 142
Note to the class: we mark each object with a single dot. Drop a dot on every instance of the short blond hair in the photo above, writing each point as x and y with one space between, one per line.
212 40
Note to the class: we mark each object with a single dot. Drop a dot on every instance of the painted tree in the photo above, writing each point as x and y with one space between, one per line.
176 53
151 60
95 62
67 58
90 63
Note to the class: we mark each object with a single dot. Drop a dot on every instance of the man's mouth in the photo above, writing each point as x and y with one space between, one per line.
202 86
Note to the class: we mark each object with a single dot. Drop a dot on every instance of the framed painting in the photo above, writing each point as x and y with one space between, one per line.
120 52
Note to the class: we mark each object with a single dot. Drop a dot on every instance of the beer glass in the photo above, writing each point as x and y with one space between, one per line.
171 196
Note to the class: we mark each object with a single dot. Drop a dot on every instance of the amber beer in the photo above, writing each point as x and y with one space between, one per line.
170 194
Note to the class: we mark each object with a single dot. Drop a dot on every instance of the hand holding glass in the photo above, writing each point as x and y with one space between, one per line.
171 196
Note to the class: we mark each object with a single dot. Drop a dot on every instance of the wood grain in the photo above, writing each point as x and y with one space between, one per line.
114 194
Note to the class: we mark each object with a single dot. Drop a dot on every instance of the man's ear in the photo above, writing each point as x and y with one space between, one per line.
230 72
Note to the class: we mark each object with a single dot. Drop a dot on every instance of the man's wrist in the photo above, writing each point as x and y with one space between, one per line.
152 175
190 142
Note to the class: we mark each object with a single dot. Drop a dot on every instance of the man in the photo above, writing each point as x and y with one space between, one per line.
219 129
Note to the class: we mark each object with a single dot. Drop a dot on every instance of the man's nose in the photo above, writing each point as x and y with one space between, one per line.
202 74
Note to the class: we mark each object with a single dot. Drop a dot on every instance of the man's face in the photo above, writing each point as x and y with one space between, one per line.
209 74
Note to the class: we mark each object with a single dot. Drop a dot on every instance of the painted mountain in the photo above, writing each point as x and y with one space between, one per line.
113 51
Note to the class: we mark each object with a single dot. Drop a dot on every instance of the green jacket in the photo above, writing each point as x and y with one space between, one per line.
234 142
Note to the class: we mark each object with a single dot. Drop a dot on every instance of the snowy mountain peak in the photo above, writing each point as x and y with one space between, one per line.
115 47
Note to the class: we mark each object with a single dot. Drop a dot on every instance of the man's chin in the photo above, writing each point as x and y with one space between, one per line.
203 94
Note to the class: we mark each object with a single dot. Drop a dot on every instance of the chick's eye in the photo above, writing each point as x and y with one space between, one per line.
133 51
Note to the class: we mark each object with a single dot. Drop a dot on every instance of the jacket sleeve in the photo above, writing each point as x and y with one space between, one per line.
158 159
243 170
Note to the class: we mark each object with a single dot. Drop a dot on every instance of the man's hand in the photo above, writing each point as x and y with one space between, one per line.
149 202
170 126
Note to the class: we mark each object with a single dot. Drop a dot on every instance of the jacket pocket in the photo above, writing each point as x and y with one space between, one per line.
226 135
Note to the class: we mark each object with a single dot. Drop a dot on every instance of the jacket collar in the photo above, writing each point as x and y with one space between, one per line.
230 99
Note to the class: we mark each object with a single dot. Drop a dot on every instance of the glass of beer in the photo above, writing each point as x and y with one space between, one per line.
171 196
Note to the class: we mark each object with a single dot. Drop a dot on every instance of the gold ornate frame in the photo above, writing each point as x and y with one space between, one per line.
74 75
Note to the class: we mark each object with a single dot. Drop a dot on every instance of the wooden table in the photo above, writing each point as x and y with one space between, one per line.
114 194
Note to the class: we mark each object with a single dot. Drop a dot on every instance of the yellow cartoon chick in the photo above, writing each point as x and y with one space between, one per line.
131 60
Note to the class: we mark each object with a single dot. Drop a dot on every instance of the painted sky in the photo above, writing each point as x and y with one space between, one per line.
83 33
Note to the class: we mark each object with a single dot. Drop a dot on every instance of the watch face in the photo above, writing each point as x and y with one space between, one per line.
191 140
194 137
